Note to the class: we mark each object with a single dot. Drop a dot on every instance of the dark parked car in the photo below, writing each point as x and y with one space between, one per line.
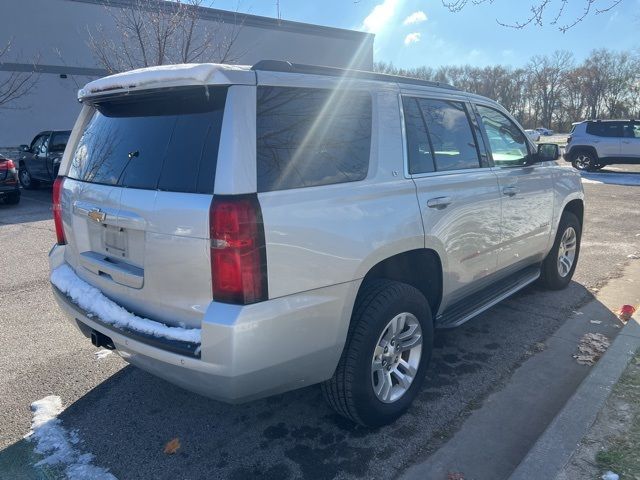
40 161
9 188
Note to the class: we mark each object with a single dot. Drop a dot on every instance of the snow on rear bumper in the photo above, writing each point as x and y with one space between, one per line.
246 352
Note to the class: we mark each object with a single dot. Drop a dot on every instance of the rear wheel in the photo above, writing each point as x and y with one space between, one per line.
560 264
12 198
386 355
585 160
26 180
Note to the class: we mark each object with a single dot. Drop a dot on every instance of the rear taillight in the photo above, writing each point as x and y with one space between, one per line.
238 255
569 138
57 210
7 165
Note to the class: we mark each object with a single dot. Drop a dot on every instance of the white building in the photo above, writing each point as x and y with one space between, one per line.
52 37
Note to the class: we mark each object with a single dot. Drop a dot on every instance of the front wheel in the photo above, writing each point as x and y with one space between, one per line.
560 264
386 355
26 180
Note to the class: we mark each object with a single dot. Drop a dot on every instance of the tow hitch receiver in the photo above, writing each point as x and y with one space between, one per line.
101 340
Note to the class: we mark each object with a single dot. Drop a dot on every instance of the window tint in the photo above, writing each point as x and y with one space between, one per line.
508 143
308 137
449 130
605 129
162 140
59 141
419 151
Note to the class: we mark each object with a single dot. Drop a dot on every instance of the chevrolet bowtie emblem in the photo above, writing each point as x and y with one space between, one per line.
96 215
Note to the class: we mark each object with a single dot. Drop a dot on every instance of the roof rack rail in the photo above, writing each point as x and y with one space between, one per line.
284 66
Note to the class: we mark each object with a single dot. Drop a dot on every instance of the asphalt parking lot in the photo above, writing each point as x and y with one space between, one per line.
125 416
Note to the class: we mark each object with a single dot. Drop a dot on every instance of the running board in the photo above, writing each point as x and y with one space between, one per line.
475 304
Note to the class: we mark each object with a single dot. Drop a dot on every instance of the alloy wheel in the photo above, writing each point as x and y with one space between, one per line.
567 251
396 357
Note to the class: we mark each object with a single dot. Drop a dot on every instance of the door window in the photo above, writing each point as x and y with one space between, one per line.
39 145
439 136
507 142
419 150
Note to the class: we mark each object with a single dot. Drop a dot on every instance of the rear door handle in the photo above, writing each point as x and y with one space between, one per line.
510 191
439 202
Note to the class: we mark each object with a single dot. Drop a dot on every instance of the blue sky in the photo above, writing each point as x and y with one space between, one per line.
411 33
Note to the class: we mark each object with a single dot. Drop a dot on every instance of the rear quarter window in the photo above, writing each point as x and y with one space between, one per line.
164 140
308 137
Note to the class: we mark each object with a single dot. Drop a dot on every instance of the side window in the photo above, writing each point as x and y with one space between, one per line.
507 142
605 129
59 141
308 137
419 151
632 130
36 146
454 146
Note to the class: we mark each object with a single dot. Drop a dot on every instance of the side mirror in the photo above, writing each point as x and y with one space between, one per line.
24 148
548 152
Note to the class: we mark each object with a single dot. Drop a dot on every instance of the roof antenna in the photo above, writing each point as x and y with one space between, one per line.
278 11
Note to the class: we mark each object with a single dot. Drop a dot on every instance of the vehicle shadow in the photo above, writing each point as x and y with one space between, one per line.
612 177
126 421
34 206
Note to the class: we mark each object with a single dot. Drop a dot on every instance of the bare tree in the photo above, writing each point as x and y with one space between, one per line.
158 32
551 90
15 85
542 12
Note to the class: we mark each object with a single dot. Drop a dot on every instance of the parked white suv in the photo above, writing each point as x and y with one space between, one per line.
244 231
594 144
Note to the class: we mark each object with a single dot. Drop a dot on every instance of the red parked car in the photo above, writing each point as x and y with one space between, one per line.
9 186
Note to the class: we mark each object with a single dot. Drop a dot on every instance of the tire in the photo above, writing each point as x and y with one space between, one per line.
555 276
351 390
12 198
585 161
26 180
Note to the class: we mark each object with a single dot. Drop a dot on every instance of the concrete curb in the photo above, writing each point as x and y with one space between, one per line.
555 447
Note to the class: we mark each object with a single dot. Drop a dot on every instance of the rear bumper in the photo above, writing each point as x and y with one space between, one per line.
247 352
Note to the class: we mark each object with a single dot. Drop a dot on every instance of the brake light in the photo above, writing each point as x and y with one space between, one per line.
57 210
7 165
238 256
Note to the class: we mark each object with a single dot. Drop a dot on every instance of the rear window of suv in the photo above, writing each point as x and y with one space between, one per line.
162 140
308 137
605 129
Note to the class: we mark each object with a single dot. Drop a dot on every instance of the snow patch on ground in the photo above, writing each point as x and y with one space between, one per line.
628 179
100 354
95 303
59 445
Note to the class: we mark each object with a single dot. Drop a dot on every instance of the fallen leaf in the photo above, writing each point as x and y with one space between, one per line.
591 348
172 446
596 322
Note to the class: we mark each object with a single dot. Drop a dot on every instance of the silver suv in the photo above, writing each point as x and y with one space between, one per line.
244 231
594 144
